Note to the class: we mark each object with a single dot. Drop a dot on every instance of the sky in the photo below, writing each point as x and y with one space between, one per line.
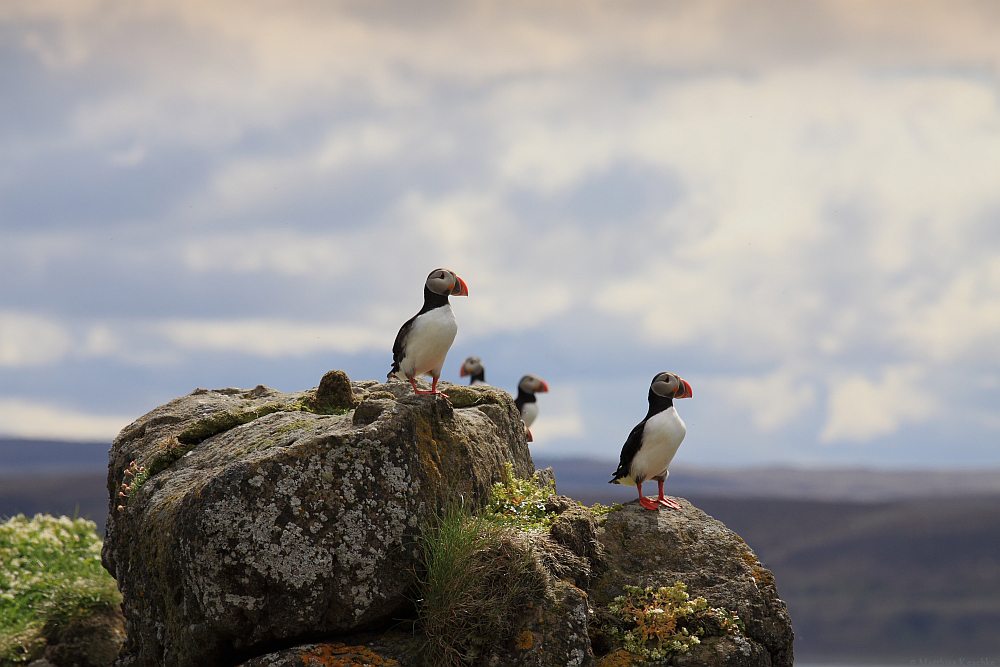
795 206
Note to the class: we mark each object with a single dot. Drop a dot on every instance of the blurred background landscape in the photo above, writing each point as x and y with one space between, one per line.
792 205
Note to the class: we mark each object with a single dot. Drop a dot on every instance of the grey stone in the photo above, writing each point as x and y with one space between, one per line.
658 548
334 393
263 520
272 520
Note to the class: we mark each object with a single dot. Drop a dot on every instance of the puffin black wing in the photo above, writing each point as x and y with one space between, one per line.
400 343
629 450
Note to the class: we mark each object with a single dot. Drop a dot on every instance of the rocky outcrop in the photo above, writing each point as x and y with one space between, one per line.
263 529
268 517
643 548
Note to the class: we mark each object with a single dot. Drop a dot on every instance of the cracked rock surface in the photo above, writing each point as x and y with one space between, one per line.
273 529
644 548
269 517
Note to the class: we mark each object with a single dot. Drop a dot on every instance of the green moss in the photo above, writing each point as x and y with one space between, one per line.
657 622
465 397
213 424
219 422
280 435
50 573
600 510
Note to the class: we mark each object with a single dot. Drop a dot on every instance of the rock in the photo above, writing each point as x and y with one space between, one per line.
334 393
269 529
545 477
264 519
90 641
644 548
576 529
339 653
557 635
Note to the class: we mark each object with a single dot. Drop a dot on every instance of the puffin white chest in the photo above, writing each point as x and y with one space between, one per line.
428 342
528 413
661 437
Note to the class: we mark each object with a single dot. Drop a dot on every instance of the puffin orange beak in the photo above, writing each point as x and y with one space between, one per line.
687 390
460 289
462 372
543 388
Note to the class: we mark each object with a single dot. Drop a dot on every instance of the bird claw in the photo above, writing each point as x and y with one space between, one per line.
649 504
667 502
430 393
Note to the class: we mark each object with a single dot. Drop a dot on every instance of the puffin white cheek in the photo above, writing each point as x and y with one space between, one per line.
662 388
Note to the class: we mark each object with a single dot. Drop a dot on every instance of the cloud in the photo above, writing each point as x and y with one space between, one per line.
786 198
31 340
271 338
771 401
861 409
559 418
31 419
281 252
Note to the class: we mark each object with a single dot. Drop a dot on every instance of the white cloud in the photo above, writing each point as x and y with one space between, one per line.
771 401
559 418
833 170
287 253
31 340
272 338
861 409
31 419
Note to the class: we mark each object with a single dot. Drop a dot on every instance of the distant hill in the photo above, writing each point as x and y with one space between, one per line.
887 582
43 457
587 481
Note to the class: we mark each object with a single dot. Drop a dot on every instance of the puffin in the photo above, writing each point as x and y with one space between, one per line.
653 442
526 402
423 341
473 367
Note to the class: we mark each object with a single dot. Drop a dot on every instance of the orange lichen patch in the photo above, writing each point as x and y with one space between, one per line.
621 658
341 655
525 640
759 574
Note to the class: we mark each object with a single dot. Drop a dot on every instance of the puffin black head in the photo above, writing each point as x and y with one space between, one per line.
532 384
669 385
472 366
444 282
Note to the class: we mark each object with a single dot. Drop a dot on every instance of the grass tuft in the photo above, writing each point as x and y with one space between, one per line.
478 582
50 572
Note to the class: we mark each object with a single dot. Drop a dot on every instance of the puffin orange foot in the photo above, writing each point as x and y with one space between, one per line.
430 393
667 502
648 503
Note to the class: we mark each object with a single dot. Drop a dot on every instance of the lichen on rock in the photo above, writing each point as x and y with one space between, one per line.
290 524
279 529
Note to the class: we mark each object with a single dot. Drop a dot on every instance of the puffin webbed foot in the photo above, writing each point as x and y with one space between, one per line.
667 502
648 503
434 390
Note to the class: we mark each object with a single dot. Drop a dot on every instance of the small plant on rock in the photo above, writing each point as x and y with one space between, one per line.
133 477
600 510
520 503
664 620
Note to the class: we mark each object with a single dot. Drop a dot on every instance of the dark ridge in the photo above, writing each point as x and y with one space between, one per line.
82 494
24 455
